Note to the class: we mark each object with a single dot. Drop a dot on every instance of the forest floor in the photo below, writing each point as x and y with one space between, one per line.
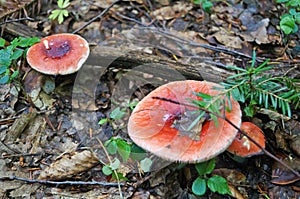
51 143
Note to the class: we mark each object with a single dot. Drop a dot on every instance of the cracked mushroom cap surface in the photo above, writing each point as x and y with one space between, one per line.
58 54
162 127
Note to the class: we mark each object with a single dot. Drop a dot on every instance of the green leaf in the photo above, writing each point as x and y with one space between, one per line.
293 3
282 1
297 17
15 74
16 54
54 14
4 79
124 149
207 6
117 113
111 147
14 43
115 164
132 105
103 121
146 164
204 96
205 167
197 2
106 170
287 24
199 186
2 69
218 184
236 68
63 4
27 42
2 42
249 111
65 13
119 176
5 55
60 18
137 153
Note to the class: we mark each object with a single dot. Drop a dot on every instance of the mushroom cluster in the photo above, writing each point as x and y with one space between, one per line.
164 128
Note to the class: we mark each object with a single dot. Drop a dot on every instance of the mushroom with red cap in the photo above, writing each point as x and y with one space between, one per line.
242 146
161 127
58 54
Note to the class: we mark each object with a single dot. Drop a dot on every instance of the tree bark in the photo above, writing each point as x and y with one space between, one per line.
193 69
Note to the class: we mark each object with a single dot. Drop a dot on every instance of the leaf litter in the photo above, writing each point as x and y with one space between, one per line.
25 130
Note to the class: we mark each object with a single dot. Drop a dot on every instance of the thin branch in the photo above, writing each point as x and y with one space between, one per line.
105 184
17 20
96 17
237 128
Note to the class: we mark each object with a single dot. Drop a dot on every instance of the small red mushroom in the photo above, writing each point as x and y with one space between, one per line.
160 126
242 146
58 54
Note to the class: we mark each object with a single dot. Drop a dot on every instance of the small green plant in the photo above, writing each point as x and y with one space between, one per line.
60 13
255 88
116 114
289 22
125 150
215 183
206 5
10 54
120 146
112 169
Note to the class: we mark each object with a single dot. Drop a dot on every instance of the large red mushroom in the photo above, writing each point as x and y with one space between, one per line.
58 54
161 127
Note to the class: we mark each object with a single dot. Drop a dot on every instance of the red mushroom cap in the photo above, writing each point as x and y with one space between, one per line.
242 146
58 54
152 124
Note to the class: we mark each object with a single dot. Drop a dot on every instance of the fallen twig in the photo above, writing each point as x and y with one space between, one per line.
16 20
106 184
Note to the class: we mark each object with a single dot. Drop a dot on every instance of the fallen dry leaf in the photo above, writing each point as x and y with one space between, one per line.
258 33
171 12
228 39
283 176
69 165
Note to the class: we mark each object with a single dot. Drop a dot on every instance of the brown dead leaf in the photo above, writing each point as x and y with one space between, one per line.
283 176
171 12
69 165
228 39
258 33
283 192
235 193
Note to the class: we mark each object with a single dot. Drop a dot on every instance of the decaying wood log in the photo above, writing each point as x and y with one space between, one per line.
131 59
194 68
